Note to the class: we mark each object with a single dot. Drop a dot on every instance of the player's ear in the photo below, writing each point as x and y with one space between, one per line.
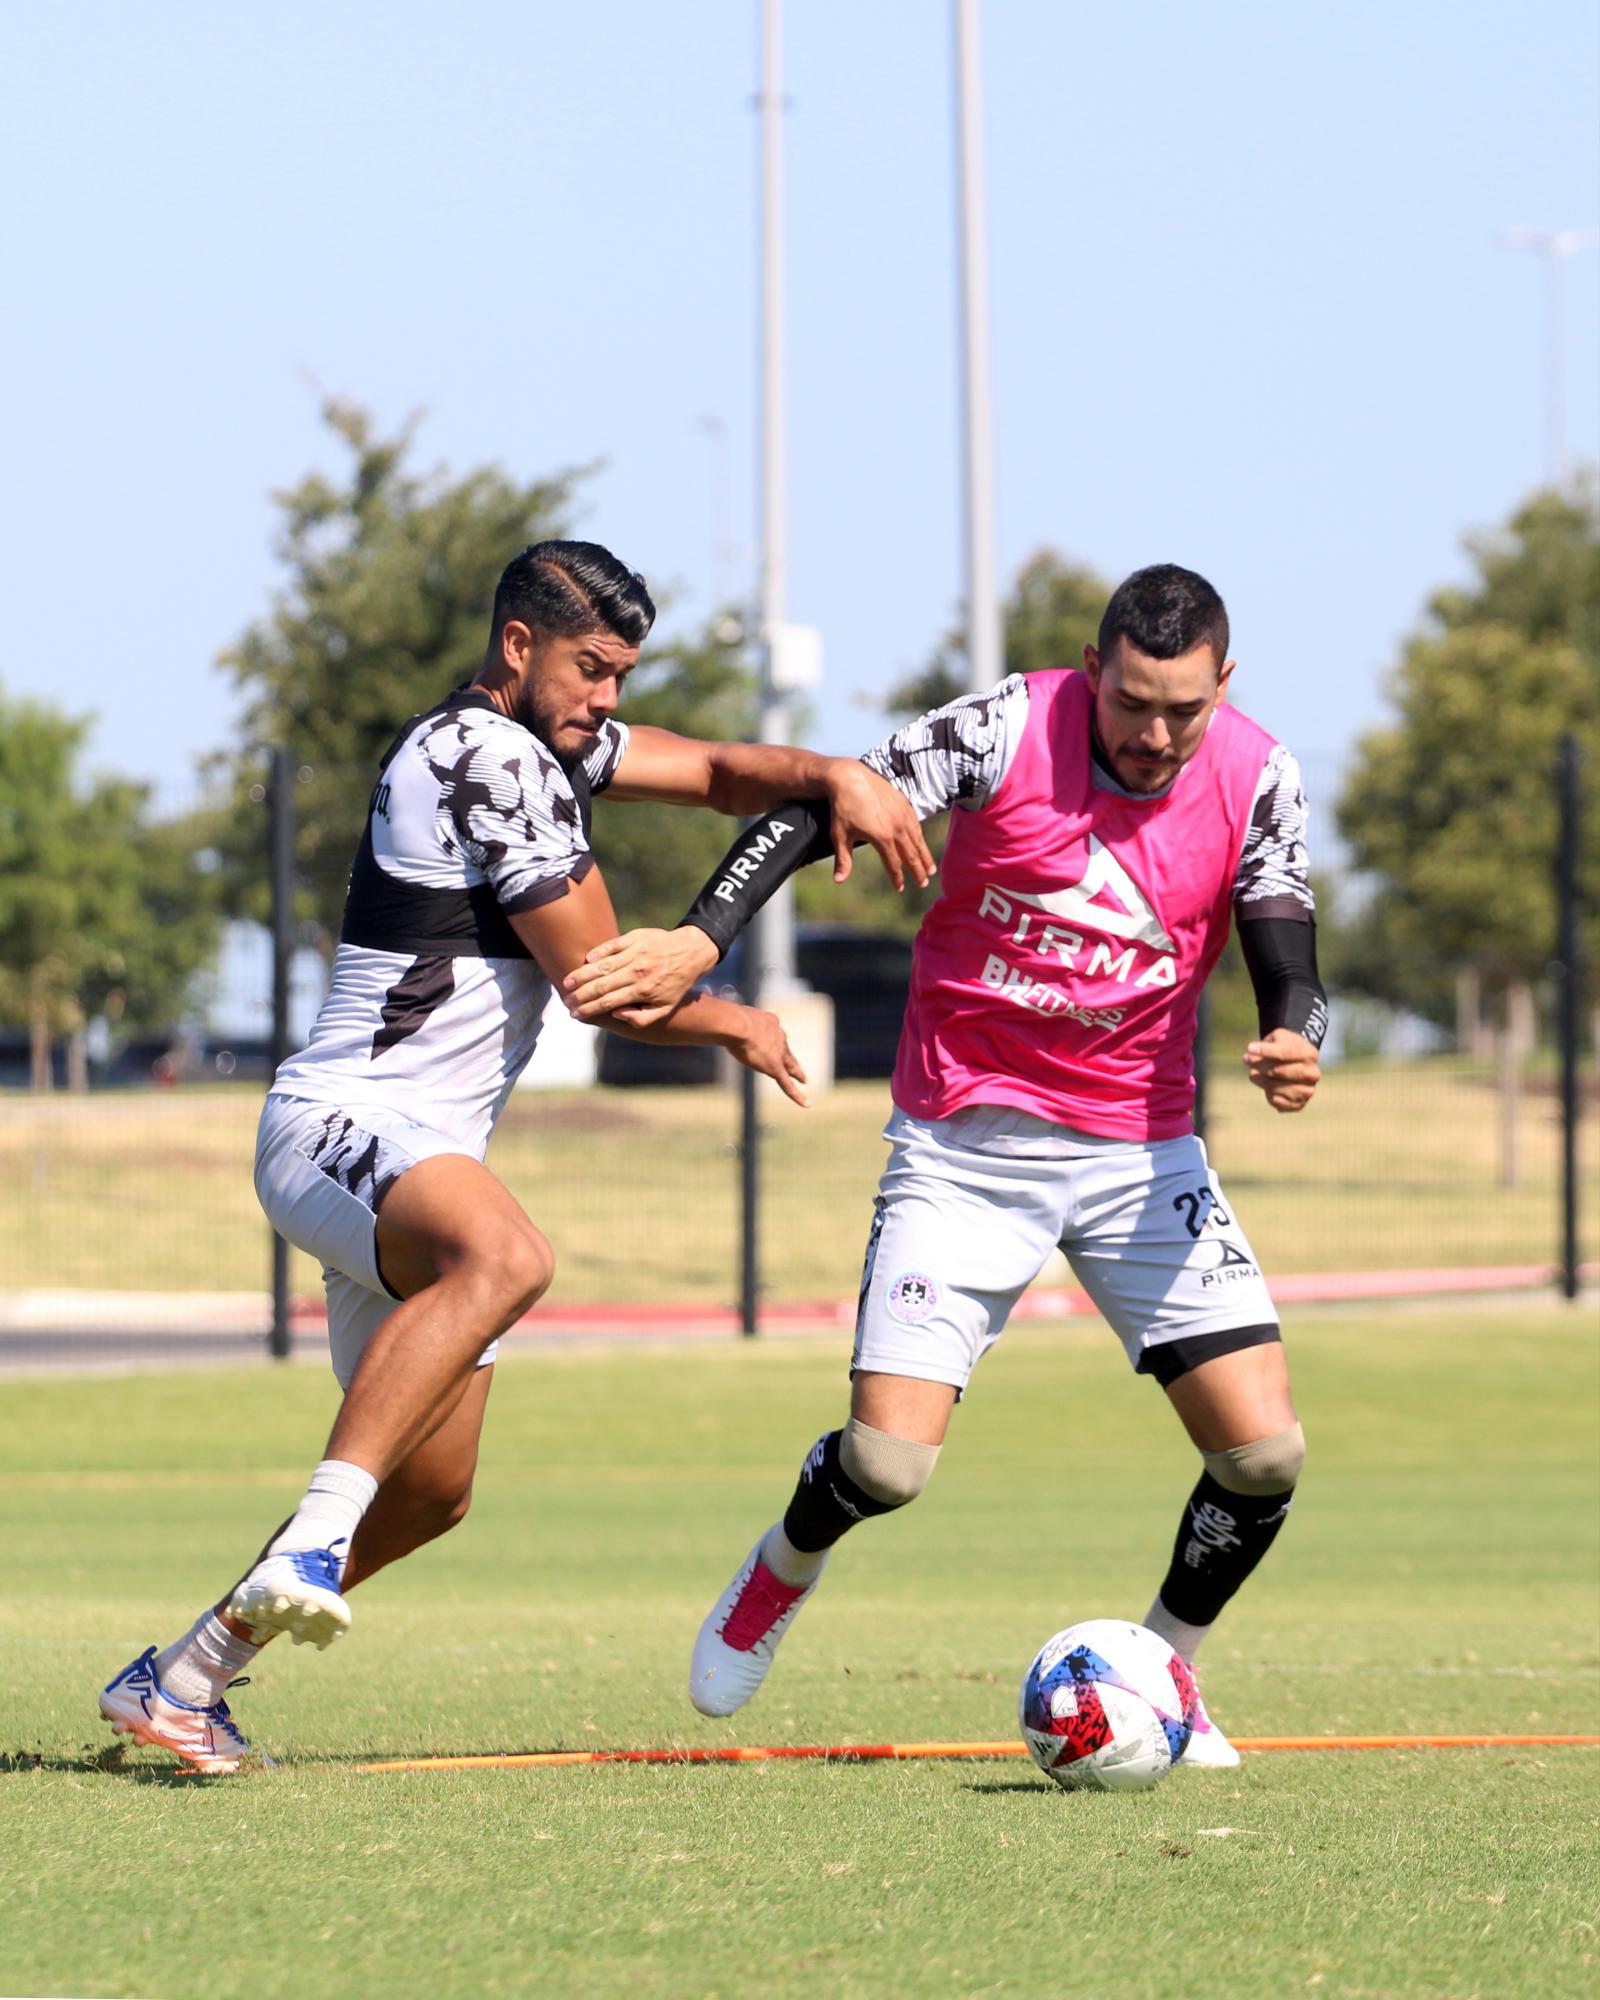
516 642
1091 666
1223 679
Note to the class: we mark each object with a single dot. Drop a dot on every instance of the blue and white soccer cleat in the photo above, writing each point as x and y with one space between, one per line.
741 1634
1209 1749
295 1591
136 1705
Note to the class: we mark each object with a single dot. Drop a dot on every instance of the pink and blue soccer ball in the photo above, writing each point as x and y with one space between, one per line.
1107 1706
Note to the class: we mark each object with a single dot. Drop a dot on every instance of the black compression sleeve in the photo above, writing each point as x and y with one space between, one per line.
1281 958
766 854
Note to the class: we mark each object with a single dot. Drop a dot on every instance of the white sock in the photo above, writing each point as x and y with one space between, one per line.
198 1667
1183 1639
327 1518
787 1563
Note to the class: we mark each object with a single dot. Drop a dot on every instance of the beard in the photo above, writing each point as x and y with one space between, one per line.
544 725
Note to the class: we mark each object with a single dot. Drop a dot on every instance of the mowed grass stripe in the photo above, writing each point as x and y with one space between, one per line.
1437 1576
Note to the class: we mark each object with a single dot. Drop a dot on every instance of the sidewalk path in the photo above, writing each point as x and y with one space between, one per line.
73 1331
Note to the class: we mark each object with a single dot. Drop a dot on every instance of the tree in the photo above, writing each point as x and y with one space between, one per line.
1053 611
654 857
385 608
391 574
102 911
1451 810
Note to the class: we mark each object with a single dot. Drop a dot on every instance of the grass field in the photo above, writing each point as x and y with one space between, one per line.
1439 1574
1395 1165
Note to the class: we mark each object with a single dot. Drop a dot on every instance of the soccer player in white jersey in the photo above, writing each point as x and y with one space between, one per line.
473 892
1107 823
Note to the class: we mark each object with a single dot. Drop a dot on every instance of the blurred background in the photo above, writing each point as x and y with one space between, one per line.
317 317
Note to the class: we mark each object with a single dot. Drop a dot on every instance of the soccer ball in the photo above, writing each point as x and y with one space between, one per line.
1107 1707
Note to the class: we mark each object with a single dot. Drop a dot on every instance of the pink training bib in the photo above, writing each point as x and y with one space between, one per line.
1061 968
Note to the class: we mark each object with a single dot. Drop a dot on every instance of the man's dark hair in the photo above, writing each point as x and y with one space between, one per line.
1165 611
568 588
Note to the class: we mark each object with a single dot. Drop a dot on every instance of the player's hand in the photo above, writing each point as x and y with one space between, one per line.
640 977
764 1047
1284 1065
868 808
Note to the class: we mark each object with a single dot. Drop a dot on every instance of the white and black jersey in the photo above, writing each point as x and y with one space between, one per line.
435 1003
957 756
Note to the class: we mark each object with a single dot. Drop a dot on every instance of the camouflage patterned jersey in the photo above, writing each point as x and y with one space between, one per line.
435 1004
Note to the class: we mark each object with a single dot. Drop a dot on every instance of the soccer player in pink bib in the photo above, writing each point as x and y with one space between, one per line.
1107 825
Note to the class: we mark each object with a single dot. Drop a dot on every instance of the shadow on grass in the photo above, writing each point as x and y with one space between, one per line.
109 1763
1032 1785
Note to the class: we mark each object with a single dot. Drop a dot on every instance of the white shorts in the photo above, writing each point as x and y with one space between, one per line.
320 1174
970 1207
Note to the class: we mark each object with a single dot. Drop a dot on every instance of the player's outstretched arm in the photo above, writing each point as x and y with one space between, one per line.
865 810
561 931
644 974
953 755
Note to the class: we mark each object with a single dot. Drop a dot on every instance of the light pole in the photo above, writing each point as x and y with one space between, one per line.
985 648
1554 246
773 941
720 580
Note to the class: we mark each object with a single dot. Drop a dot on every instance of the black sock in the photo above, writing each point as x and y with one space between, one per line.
1221 1538
827 1500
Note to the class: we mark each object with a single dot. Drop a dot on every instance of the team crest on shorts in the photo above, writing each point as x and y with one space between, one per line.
912 1296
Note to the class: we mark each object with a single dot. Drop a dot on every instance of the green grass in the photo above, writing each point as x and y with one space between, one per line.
1438 1575
1394 1165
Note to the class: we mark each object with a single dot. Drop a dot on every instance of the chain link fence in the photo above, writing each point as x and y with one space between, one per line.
129 1230
130 1225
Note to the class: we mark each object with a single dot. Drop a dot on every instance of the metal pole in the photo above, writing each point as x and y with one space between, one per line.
776 969
985 644
1553 246
280 794
1570 968
1555 371
769 940
750 1153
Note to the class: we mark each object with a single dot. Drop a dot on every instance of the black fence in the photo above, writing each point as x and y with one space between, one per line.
129 1231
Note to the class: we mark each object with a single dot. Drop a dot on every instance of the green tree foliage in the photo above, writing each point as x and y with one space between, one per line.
654 857
1450 811
391 575
385 608
1052 613
103 910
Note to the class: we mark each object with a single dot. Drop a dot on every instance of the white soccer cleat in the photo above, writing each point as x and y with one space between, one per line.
741 1634
1209 1749
295 1591
136 1705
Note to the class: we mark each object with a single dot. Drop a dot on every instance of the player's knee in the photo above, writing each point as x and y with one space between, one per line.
1268 1465
890 1469
435 1511
532 1268
514 1267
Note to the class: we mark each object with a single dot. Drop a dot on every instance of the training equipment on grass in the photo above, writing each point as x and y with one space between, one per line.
920 1753
1107 1706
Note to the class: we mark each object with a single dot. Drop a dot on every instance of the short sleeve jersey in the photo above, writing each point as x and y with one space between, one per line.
435 1003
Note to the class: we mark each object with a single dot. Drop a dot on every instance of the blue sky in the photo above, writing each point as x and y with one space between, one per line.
1248 310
